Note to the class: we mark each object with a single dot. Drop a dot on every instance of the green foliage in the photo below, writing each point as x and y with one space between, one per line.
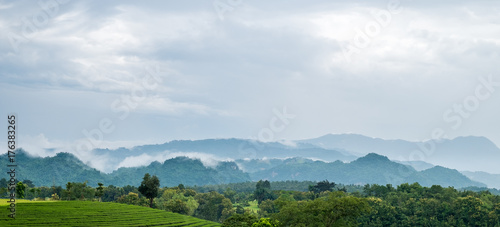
267 207
240 220
322 186
337 209
76 190
133 199
178 201
213 206
149 187
20 187
263 191
99 191
414 205
230 193
265 222
28 183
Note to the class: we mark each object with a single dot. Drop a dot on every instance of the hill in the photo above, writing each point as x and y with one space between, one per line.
57 170
180 170
471 153
370 169
221 149
64 167
491 180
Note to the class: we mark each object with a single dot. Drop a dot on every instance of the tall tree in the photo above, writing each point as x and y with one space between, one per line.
149 187
20 190
322 186
68 189
29 183
263 191
99 191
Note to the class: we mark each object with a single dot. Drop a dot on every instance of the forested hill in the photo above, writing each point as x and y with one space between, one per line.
370 169
65 167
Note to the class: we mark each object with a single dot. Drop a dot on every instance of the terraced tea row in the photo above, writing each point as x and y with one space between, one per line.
83 213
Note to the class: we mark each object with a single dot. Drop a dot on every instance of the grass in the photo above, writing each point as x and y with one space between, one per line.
85 213
5 202
254 206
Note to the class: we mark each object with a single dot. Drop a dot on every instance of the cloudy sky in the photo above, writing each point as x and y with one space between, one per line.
126 73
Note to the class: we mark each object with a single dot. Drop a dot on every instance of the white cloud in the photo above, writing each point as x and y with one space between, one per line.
39 145
208 160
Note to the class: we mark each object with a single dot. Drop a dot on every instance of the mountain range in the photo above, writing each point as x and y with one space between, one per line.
341 158
370 169
469 153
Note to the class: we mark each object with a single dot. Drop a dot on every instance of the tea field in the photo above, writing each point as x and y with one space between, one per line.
86 213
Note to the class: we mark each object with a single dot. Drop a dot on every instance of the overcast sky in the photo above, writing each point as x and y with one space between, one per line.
164 70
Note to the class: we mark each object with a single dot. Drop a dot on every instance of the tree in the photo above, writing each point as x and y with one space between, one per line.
33 191
3 183
149 187
29 183
20 190
68 189
334 210
267 207
99 191
263 191
240 220
133 199
229 193
265 222
213 206
322 186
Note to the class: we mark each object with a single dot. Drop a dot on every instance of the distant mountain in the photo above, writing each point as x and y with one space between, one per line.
463 153
370 169
180 170
223 149
491 180
64 167
417 165
446 177
56 170
254 165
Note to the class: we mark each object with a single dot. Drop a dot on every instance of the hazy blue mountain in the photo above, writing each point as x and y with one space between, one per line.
446 177
223 149
463 153
254 165
417 165
491 180
64 167
56 170
180 170
370 169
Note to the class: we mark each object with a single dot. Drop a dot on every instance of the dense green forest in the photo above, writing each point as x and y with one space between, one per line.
299 203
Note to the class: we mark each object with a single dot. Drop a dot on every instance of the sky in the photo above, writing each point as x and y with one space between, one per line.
87 74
